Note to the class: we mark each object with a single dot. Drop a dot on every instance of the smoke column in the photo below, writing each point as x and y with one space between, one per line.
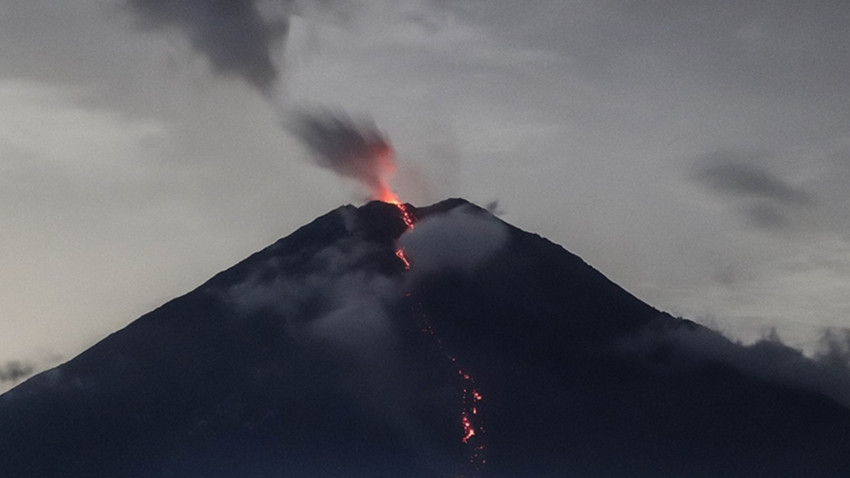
351 149
238 39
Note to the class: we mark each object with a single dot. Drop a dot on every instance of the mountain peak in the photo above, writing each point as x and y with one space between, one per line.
445 343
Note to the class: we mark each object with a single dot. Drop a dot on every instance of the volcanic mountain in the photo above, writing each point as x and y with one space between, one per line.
394 341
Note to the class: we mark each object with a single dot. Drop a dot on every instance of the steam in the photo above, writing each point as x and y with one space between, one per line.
349 148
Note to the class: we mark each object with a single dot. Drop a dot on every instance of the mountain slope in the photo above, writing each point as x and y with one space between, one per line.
496 353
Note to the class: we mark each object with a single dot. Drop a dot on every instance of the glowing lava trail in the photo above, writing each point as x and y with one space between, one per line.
471 429
400 254
405 215
390 197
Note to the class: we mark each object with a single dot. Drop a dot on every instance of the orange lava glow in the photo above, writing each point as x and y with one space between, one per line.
386 194
405 215
386 167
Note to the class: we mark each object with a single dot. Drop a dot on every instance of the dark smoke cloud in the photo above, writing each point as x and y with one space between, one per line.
354 149
232 34
15 370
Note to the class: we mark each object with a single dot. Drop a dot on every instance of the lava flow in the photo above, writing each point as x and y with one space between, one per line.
471 429
400 254
390 197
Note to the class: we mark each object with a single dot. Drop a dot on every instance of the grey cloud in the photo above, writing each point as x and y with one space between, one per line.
353 149
232 34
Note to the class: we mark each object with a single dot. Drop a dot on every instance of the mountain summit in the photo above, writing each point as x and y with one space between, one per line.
395 341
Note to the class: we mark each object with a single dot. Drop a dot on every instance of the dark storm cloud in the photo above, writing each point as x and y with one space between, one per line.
15 370
232 34
354 149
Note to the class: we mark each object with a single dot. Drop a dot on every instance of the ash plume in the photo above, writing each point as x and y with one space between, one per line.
353 149
237 37
232 34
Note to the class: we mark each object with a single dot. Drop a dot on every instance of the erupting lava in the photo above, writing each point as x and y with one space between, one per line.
386 166
385 194
405 215
472 430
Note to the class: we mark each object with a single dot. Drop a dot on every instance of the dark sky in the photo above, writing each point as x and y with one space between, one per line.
696 153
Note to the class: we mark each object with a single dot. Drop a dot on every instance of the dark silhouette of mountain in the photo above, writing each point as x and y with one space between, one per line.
496 354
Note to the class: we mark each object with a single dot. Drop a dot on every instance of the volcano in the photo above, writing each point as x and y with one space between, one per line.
361 346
